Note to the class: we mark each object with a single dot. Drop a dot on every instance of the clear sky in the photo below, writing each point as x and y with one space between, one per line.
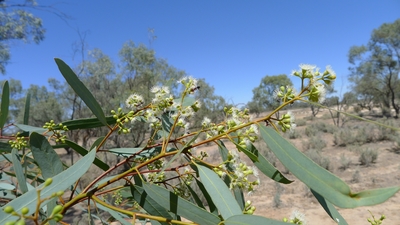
232 44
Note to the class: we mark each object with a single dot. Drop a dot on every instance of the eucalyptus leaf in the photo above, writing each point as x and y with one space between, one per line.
60 182
82 151
219 192
48 160
149 204
251 220
27 108
81 90
16 162
330 209
5 102
320 180
180 206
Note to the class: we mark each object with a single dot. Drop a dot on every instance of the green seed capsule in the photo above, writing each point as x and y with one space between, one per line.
57 209
20 222
58 217
24 210
8 209
48 182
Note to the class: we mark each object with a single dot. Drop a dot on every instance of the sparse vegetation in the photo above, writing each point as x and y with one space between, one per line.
368 156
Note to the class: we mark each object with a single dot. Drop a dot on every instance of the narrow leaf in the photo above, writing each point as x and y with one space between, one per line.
149 204
60 182
267 168
48 160
16 162
31 129
27 108
212 208
180 206
317 178
330 209
251 220
86 123
81 90
5 102
82 151
219 192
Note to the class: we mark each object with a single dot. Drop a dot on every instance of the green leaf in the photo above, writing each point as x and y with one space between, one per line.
81 90
180 206
60 182
102 165
219 192
238 193
212 208
320 180
251 220
48 160
195 196
114 214
125 151
86 123
149 204
97 142
31 129
330 209
19 171
267 168
249 154
27 107
5 102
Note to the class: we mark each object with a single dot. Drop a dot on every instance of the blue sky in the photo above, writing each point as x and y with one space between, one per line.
232 44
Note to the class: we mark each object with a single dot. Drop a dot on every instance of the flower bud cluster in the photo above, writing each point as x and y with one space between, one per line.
235 118
134 101
296 218
239 174
287 122
190 84
57 132
248 208
155 176
121 119
284 93
19 142
315 90
118 197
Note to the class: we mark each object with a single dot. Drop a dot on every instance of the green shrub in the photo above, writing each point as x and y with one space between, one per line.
345 162
368 156
301 122
314 142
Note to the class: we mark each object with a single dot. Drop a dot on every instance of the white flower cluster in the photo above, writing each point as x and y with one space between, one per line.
239 173
235 118
316 88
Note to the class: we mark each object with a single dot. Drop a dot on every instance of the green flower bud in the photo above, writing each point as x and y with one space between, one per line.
58 217
60 193
20 222
8 209
57 209
10 223
282 88
48 182
24 210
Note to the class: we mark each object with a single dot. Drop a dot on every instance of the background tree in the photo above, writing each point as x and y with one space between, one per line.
263 95
16 23
376 67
